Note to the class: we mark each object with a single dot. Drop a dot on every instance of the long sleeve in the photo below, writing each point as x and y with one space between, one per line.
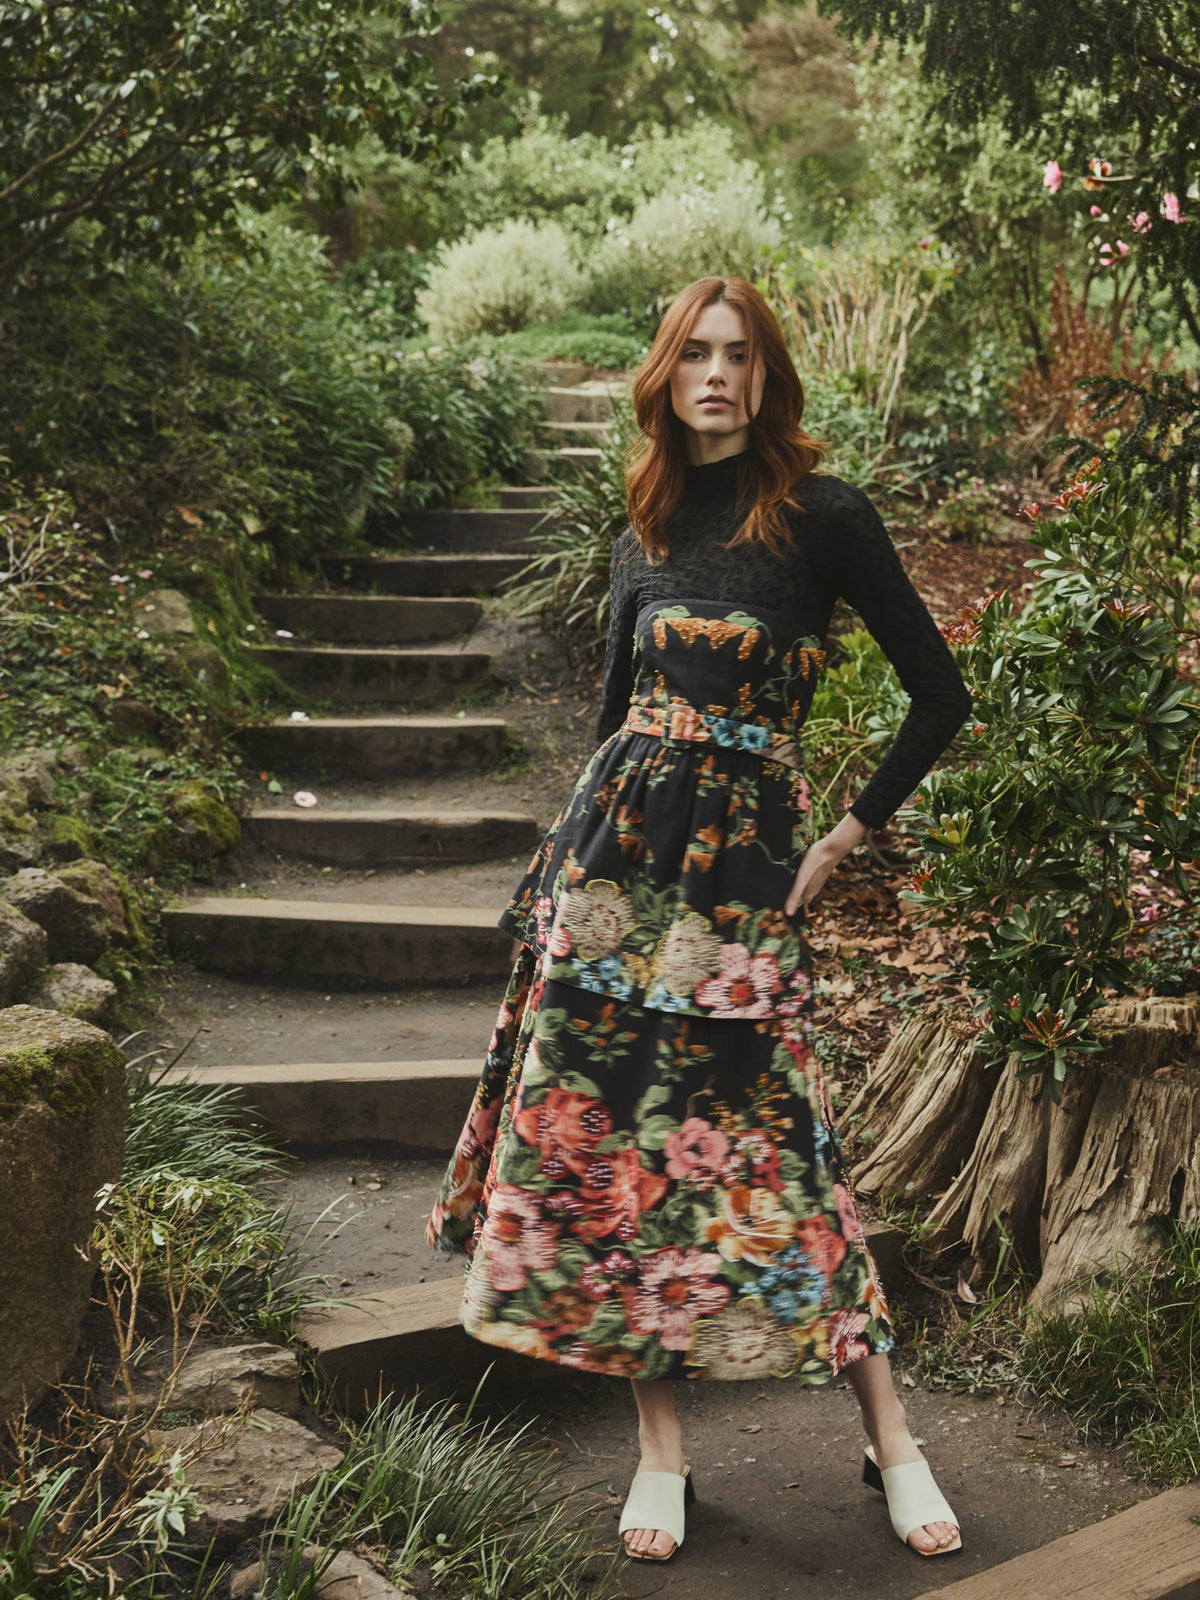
618 654
868 574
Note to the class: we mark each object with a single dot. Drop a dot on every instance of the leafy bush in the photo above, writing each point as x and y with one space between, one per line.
1082 764
858 705
497 280
679 235
600 341
226 393
968 509
472 413
382 286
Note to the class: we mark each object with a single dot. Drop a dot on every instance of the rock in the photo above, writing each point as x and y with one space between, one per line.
112 890
76 926
22 952
67 838
19 842
73 756
31 775
204 665
219 1378
132 720
63 1102
243 1472
207 826
249 1581
165 611
76 991
349 1577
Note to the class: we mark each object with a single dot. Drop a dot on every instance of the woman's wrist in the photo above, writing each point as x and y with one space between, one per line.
847 835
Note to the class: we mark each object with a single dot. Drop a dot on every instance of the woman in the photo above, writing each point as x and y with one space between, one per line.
649 1183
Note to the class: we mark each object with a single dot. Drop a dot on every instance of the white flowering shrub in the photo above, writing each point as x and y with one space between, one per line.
498 280
679 235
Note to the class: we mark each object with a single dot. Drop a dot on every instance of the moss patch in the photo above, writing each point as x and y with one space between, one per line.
195 803
44 1055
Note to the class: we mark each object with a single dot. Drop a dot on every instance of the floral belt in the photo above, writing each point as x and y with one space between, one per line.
701 727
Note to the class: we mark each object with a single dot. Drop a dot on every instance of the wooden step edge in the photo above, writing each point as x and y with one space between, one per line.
419 816
1149 1552
416 721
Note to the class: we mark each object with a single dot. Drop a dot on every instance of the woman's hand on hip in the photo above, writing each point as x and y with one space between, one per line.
821 858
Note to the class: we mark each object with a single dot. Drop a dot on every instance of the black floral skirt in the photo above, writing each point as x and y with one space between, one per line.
649 1183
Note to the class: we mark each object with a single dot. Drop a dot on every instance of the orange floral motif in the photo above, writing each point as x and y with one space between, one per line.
713 629
752 1225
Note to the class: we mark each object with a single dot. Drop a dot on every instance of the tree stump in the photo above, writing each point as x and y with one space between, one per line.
1076 1187
921 1109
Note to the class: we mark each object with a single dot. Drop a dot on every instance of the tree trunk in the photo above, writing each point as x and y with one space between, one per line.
921 1110
998 1194
1136 1159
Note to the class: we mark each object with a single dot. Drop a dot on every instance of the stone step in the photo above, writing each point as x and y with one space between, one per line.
399 836
526 497
559 374
590 402
340 944
375 747
411 1335
567 434
403 674
578 458
424 575
368 619
417 1106
460 530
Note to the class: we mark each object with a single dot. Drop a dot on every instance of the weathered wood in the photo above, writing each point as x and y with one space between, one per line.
1150 1552
934 1089
1000 1188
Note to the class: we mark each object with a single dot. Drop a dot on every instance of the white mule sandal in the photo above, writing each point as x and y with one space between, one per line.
913 1499
657 1500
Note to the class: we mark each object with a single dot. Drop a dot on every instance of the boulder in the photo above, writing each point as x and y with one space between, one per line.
348 1577
243 1470
22 952
76 991
114 894
66 837
218 1378
19 842
63 1102
75 924
29 777
165 611
206 825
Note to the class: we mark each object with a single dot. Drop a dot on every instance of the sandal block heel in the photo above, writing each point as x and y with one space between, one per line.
657 1500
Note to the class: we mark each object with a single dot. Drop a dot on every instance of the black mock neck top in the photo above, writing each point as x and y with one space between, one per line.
840 548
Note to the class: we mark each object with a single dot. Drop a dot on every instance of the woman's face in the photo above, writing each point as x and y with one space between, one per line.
712 389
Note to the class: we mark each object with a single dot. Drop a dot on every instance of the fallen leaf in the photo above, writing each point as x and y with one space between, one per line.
751 1427
190 517
907 1379
303 797
965 1292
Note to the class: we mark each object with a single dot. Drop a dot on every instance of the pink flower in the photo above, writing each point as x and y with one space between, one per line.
844 1344
1052 176
743 987
847 1214
1170 207
1141 223
674 1287
517 1237
1095 211
1122 249
696 1152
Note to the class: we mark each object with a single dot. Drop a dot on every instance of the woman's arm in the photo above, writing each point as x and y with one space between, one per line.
618 655
868 574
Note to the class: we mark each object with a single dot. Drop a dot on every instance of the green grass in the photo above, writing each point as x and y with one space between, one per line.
1124 1365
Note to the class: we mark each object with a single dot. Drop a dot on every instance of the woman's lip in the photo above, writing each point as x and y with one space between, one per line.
715 400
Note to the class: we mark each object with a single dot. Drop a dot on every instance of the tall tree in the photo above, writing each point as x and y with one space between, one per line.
152 122
1114 83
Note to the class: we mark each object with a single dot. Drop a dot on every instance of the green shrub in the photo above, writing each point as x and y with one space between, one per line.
497 280
472 413
228 390
600 341
679 235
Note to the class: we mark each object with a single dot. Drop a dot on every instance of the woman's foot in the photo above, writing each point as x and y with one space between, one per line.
893 1445
657 1456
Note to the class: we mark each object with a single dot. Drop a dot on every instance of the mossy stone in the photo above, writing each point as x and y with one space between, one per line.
207 825
115 894
66 837
47 1056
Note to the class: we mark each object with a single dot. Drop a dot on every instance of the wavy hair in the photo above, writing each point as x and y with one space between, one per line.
781 455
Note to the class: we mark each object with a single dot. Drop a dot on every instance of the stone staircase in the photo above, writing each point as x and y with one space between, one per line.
394 703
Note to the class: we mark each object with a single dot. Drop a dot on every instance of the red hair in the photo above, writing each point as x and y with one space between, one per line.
782 454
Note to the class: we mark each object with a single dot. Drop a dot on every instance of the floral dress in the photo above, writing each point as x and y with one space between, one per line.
649 1183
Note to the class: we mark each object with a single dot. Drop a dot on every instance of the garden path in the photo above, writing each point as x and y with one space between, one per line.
346 979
